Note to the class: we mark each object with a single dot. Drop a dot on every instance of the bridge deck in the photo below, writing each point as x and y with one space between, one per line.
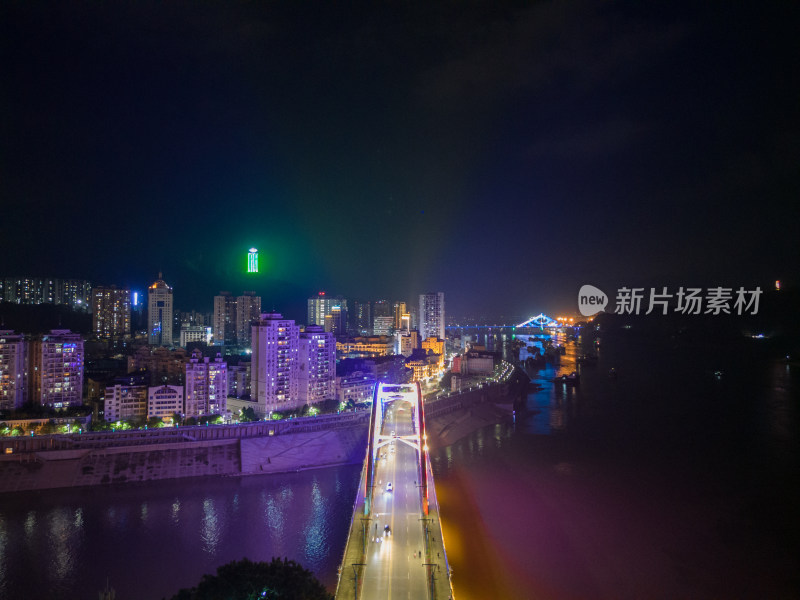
408 560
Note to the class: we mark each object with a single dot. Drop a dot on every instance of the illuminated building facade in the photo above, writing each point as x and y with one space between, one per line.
159 313
383 326
334 322
399 310
274 380
224 319
357 387
75 293
317 365
380 345
406 343
163 401
111 313
322 305
431 315
195 333
56 372
125 402
233 317
363 317
248 311
381 308
206 386
13 374
239 380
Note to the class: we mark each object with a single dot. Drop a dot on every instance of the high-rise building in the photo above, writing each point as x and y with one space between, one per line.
383 325
317 365
431 315
13 370
322 305
363 318
206 386
274 379
248 311
318 307
111 312
159 313
381 308
56 372
399 311
224 319
76 293
233 317
239 380
335 322
47 290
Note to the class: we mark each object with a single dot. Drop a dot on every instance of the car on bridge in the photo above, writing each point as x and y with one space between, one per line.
389 487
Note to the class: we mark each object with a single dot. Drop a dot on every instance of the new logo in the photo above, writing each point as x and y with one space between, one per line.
591 300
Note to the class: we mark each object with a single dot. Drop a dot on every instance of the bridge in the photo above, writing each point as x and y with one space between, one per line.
395 548
541 320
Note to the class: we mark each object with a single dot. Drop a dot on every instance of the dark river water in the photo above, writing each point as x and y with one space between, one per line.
667 481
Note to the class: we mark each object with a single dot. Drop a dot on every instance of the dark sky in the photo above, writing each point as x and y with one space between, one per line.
502 153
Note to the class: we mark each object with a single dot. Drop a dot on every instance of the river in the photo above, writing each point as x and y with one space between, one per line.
667 481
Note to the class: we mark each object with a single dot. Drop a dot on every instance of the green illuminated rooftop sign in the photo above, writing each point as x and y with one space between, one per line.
252 261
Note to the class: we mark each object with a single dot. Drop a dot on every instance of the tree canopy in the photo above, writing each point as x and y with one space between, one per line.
246 580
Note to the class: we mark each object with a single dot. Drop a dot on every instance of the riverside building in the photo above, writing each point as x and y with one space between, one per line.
13 370
274 381
206 386
56 372
317 365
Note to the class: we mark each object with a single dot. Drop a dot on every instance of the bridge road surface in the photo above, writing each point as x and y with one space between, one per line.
392 571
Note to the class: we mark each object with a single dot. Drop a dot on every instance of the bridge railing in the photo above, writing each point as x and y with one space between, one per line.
438 569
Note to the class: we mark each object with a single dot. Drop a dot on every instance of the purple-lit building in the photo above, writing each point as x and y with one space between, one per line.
317 365
206 386
275 380
13 374
56 372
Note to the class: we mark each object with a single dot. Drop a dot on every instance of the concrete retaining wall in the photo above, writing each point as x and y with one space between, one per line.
46 469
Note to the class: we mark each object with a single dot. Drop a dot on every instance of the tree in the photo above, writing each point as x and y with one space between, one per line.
245 580
191 421
177 418
248 415
154 422
49 427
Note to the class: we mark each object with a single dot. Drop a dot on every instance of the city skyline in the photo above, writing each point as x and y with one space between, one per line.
505 154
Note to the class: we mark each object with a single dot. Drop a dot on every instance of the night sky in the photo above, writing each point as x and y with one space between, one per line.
502 153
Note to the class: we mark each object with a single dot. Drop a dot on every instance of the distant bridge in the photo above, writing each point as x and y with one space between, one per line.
395 547
541 320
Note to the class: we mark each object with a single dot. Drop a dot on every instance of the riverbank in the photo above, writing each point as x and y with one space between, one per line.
132 458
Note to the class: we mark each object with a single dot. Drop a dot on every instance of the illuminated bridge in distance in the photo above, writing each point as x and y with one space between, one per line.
395 548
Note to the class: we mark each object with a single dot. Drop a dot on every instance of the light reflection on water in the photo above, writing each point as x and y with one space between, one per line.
74 539
211 527
662 481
